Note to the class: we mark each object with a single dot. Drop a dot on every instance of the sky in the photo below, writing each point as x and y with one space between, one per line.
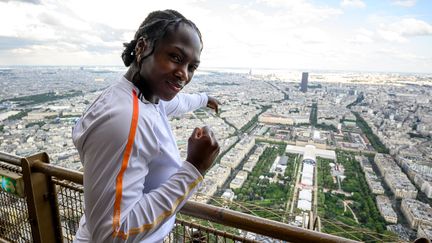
352 35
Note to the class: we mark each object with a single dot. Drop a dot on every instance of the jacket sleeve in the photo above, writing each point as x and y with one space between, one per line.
183 103
116 163
153 209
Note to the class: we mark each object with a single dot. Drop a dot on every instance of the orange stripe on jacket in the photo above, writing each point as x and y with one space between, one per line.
126 156
160 218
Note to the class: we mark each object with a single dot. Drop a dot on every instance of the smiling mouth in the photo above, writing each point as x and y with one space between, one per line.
177 84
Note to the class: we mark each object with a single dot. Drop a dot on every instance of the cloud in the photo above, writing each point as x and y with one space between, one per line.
353 3
311 35
391 36
404 3
49 19
21 51
401 30
412 27
234 6
298 11
24 1
7 42
362 36
55 26
251 34
68 28
403 55
259 33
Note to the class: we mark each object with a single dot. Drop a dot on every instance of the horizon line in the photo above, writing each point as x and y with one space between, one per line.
229 68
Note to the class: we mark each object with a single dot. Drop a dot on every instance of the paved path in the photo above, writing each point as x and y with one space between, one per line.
346 205
294 198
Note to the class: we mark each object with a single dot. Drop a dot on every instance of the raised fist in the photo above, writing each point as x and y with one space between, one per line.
202 148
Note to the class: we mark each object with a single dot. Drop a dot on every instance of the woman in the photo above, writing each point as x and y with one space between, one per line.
134 179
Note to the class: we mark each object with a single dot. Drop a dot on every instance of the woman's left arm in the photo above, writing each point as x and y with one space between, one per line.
183 103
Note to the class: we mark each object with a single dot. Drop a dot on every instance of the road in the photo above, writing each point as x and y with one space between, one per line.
315 192
295 193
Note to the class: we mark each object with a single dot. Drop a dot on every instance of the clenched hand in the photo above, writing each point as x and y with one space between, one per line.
203 148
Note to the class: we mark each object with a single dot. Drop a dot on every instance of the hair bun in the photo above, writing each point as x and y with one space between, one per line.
128 54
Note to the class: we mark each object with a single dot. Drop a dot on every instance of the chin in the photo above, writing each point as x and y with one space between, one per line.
167 97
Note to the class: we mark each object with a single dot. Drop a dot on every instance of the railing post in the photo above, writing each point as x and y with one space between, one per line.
41 202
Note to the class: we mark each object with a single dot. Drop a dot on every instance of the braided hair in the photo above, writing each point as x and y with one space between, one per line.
154 28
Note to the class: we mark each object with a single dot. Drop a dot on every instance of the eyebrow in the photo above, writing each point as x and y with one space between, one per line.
183 52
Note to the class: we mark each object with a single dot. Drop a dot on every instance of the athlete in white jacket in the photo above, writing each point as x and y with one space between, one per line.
134 178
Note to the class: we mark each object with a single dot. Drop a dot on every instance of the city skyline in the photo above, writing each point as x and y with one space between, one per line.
387 36
353 145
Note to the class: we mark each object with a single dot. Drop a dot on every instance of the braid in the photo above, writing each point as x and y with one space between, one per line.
153 28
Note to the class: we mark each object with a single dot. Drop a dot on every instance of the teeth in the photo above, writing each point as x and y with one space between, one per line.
178 84
181 84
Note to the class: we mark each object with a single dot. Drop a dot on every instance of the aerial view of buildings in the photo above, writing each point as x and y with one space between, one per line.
289 143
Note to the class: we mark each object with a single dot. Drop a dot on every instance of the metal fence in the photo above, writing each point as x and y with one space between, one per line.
50 209
185 231
14 220
70 198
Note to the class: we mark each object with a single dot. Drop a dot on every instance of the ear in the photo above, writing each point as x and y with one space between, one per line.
141 49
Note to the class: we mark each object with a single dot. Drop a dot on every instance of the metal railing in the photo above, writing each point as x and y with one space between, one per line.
52 205
14 223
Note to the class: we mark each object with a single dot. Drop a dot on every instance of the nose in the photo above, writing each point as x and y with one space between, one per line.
182 73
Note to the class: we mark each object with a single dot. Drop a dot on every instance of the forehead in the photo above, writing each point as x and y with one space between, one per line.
183 36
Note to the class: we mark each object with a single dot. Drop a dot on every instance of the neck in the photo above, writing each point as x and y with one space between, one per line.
133 75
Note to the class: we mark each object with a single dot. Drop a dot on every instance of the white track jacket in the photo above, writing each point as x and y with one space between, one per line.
134 179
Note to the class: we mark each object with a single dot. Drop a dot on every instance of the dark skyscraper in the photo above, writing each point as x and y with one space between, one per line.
304 82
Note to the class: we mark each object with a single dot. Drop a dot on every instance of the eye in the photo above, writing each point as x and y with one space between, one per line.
176 58
192 68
